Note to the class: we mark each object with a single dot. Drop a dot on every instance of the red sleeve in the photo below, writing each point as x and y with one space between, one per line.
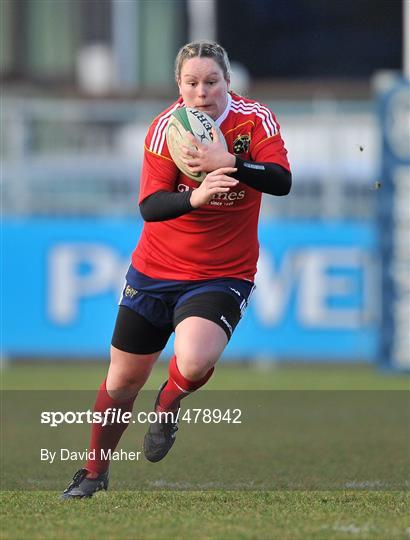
159 172
267 145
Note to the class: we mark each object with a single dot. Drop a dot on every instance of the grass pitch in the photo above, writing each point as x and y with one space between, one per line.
176 511
215 515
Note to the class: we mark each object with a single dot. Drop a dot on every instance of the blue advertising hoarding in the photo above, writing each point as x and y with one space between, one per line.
316 297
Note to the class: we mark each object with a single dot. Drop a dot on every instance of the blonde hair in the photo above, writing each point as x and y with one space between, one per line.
203 49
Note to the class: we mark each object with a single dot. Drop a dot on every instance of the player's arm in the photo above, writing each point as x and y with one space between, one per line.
268 169
157 200
164 205
265 177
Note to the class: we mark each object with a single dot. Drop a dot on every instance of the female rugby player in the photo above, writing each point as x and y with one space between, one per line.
193 269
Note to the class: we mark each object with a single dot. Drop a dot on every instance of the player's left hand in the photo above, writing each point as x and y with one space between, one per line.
199 157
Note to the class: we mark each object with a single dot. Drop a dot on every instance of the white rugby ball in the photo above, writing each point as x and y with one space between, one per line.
188 120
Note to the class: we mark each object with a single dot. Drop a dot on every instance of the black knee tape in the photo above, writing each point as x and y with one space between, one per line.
218 307
133 333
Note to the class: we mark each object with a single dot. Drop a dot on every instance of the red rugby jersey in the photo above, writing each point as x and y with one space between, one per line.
219 239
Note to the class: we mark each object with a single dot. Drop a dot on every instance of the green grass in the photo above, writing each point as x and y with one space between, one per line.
205 516
305 498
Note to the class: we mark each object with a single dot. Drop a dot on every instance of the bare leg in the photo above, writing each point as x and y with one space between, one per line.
128 372
198 345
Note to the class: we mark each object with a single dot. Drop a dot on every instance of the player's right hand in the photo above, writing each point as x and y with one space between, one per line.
215 182
199 157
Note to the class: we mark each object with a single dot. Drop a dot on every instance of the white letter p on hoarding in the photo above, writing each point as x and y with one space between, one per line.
75 271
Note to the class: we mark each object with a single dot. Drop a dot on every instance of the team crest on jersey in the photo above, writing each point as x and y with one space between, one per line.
241 144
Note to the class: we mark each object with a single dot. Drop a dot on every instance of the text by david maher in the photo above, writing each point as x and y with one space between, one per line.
65 454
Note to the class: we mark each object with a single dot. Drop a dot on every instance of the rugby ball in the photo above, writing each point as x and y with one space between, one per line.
188 120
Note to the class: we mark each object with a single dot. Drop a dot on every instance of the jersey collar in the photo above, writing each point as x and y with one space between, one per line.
219 120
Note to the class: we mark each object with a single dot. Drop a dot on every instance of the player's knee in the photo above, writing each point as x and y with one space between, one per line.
123 385
195 367
132 381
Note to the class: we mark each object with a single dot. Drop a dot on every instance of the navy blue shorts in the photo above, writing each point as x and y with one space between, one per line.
150 309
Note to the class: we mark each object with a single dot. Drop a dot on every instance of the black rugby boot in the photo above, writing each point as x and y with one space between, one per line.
82 487
161 434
